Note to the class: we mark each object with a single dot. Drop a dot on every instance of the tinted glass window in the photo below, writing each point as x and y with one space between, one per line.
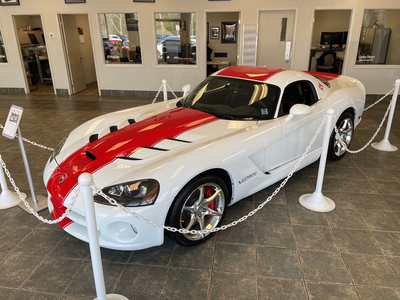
3 56
121 41
235 98
380 38
176 38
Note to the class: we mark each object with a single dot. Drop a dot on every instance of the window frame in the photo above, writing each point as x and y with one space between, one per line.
175 65
120 64
358 65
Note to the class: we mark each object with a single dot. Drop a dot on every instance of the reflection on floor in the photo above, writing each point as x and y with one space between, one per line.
283 252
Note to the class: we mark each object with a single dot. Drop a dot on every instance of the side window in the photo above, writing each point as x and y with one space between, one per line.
299 92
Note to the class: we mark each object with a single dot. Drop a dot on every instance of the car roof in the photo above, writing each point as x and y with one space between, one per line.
272 75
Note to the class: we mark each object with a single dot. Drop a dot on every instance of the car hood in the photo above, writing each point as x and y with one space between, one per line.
159 133
166 133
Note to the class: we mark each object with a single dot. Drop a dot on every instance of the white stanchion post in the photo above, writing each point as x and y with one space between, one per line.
165 91
8 198
385 145
317 201
37 203
85 181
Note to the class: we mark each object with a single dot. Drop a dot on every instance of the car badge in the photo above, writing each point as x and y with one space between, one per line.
61 179
321 87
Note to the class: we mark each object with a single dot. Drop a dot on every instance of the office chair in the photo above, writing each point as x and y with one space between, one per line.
327 62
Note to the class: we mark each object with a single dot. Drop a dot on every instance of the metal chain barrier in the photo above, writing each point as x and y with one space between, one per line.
158 93
223 227
379 100
39 217
171 91
32 143
344 145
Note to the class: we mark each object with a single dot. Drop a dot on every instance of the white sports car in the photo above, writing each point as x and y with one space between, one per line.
183 162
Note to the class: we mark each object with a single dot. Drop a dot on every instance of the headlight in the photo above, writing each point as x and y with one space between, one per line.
135 193
57 149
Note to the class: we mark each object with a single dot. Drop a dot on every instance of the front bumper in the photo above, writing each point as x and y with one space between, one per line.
117 229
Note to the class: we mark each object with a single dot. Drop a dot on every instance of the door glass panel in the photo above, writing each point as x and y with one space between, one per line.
176 38
380 37
121 40
329 40
3 56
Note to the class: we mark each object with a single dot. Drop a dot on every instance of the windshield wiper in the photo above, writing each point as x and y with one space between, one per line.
222 116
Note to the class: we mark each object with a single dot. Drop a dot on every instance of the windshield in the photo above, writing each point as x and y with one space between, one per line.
233 98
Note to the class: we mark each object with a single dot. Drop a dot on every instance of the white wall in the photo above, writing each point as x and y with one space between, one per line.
148 76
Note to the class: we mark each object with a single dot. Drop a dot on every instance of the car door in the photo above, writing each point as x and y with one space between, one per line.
296 133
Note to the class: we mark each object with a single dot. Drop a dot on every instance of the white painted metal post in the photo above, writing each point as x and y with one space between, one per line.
165 91
7 198
317 201
85 180
385 145
37 203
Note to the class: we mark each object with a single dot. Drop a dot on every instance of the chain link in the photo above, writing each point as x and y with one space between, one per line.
379 100
158 93
171 91
33 143
112 201
343 143
39 217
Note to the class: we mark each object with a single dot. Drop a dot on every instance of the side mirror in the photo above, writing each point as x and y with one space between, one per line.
298 110
186 89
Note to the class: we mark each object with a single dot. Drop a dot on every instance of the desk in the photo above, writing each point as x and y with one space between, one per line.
339 60
219 63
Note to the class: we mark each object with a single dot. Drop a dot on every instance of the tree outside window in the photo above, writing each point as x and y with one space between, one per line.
121 41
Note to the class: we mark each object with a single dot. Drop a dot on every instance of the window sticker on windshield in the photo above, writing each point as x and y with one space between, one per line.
264 111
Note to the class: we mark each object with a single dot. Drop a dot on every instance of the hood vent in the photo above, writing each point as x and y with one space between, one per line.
113 128
178 140
131 121
129 158
91 155
155 148
93 137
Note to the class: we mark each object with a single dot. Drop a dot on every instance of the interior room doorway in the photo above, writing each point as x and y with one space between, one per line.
222 40
78 52
329 39
32 42
275 38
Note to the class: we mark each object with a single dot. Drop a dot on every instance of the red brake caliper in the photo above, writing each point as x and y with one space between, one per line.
208 192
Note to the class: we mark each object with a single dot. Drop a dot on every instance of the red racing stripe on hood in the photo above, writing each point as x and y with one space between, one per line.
121 143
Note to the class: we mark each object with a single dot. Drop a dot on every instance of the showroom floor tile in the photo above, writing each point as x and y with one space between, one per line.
283 252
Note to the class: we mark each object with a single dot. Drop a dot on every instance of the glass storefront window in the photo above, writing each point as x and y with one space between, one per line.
121 40
3 56
380 38
176 38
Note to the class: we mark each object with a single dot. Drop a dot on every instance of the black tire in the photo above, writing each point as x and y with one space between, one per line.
345 125
191 211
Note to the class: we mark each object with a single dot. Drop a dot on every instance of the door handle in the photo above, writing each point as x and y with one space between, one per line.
81 57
